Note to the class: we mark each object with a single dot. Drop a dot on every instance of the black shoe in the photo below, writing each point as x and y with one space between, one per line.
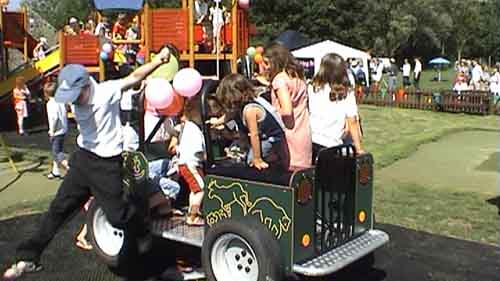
144 243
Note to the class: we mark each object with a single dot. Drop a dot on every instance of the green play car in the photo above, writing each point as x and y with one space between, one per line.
264 226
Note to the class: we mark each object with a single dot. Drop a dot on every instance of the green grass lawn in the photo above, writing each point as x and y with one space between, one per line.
438 205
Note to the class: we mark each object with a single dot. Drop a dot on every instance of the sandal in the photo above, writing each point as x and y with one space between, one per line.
195 221
84 245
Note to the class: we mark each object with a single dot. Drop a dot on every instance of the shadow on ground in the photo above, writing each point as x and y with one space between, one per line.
410 255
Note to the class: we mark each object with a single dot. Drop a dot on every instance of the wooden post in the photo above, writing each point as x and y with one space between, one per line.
190 8
234 48
102 69
147 34
62 49
25 20
3 50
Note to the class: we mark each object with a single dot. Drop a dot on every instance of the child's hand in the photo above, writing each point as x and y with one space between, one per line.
216 123
262 80
163 56
259 164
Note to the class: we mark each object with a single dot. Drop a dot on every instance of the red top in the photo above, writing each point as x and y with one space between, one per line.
119 29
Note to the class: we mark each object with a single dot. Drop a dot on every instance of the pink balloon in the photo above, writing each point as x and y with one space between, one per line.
107 48
244 4
187 82
159 93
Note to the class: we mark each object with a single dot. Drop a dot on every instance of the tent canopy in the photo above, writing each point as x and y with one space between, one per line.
134 5
319 50
292 39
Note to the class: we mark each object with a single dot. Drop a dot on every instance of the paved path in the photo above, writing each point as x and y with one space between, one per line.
410 256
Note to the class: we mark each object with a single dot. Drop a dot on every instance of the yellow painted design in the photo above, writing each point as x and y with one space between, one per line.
234 195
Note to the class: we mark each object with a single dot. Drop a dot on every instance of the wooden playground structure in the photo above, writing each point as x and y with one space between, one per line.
159 26
14 35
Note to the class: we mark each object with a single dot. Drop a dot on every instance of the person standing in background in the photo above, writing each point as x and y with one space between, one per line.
416 73
393 76
406 73
58 127
21 93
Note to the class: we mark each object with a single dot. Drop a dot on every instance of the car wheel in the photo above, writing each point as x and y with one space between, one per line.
241 249
111 244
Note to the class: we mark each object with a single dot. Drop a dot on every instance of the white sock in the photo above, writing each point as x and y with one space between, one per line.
55 169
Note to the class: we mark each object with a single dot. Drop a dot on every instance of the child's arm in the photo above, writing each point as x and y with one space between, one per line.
251 115
355 131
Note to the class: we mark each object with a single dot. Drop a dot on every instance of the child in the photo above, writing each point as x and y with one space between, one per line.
289 97
58 127
120 27
256 117
217 17
40 49
191 154
21 93
331 104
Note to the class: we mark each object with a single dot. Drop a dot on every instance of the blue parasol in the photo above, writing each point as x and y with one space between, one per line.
439 60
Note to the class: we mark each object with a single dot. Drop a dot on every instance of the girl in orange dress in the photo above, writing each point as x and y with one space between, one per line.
21 93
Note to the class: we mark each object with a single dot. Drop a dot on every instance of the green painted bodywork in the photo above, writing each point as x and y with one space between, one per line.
278 208
232 198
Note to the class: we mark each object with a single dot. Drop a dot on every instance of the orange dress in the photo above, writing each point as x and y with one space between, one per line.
297 126
20 105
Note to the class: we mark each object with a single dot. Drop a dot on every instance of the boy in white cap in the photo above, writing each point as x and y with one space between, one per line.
95 164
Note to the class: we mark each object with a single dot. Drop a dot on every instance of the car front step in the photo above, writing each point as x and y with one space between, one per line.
343 255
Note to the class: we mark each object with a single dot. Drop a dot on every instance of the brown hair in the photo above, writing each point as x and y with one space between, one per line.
280 59
235 91
332 71
20 82
49 89
191 110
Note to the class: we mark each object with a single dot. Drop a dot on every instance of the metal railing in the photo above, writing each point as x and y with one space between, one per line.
335 197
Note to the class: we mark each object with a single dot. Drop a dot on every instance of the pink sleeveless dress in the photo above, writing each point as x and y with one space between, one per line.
297 126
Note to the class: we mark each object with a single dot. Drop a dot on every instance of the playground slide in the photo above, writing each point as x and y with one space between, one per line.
30 72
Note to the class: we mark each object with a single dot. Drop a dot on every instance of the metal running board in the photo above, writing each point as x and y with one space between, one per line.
342 255
176 229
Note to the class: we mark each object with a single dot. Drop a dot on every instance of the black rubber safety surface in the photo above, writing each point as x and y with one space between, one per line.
410 255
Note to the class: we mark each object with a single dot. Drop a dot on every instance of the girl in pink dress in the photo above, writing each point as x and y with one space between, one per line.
289 97
21 93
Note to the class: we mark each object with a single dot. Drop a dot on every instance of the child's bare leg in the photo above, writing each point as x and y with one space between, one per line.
81 240
194 215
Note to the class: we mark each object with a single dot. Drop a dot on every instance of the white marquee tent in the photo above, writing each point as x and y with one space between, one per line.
318 50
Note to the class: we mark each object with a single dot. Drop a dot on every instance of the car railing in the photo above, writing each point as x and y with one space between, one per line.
335 197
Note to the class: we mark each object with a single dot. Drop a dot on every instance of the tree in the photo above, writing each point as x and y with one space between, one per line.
57 12
465 17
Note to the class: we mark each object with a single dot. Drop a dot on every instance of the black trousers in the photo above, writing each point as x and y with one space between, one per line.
89 175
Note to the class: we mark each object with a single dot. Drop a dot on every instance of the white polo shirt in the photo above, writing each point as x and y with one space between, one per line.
56 116
99 120
328 118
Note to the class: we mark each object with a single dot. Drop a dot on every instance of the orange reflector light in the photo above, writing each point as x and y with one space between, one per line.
362 216
306 240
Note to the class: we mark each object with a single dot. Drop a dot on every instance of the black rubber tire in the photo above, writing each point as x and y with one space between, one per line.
259 238
127 252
